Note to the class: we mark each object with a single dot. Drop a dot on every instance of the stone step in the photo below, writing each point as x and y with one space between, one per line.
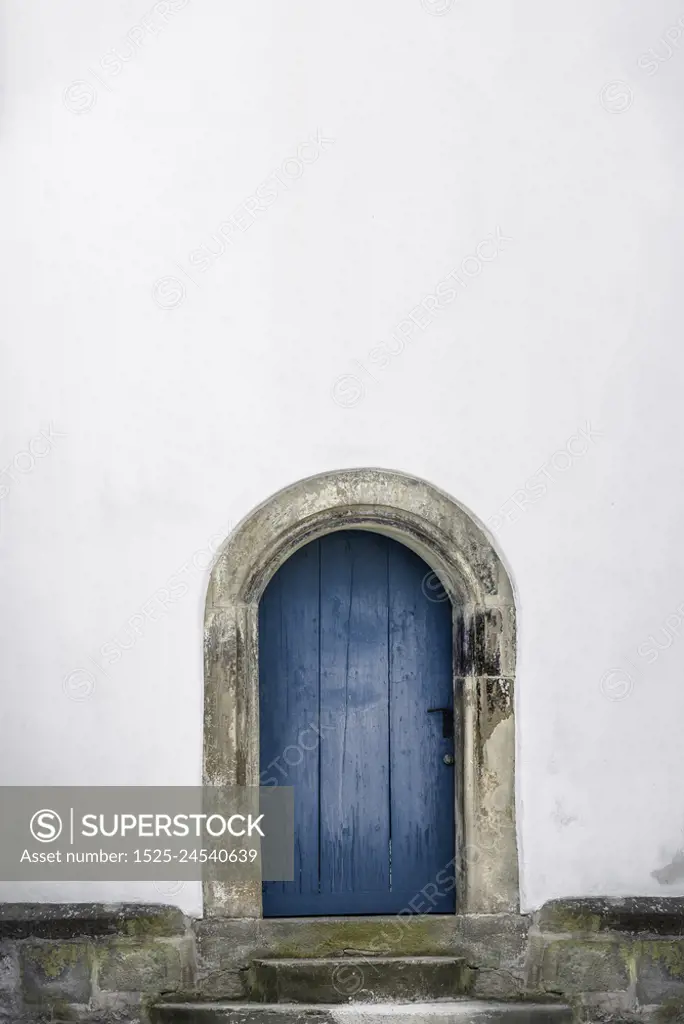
358 979
447 1012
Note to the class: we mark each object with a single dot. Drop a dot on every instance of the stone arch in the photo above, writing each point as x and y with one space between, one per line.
455 546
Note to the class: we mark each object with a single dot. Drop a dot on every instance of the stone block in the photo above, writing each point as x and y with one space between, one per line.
495 942
88 920
634 914
488 637
224 949
56 971
464 1012
660 970
574 966
9 969
669 1012
491 983
495 937
149 967
10 984
362 979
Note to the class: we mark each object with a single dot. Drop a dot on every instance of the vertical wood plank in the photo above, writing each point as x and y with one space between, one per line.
355 824
289 692
422 786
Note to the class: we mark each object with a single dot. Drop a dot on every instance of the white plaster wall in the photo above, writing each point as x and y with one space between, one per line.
177 421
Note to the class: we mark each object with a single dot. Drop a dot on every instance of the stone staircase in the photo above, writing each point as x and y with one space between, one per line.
358 990
463 1012
402 979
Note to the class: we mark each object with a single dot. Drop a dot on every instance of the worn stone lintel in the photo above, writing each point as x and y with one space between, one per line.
634 914
75 920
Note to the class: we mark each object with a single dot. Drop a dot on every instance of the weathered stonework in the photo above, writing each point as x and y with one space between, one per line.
574 966
56 971
92 920
91 963
618 959
457 548
659 970
635 914
359 979
493 945
611 960
144 966
9 982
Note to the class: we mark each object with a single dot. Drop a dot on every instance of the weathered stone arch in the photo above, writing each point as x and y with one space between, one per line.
456 547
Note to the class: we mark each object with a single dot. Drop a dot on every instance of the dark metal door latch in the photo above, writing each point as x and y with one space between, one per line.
447 720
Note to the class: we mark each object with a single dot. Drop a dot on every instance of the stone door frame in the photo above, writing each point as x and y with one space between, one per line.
464 561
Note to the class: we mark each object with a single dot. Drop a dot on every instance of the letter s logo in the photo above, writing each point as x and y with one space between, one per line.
46 826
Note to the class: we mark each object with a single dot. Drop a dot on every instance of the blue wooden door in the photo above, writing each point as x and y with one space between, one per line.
355 654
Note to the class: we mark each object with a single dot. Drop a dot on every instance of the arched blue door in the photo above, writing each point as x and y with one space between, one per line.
355 649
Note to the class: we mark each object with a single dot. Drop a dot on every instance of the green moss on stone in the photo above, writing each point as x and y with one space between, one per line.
56 957
584 965
671 1011
146 926
575 920
401 935
631 960
668 953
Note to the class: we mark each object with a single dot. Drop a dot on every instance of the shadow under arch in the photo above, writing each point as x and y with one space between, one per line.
456 547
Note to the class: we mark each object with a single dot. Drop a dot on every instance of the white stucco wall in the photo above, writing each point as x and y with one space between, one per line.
175 420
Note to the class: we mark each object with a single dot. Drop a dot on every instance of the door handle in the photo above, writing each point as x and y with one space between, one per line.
447 720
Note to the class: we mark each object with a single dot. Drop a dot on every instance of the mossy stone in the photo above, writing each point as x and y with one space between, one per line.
56 970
